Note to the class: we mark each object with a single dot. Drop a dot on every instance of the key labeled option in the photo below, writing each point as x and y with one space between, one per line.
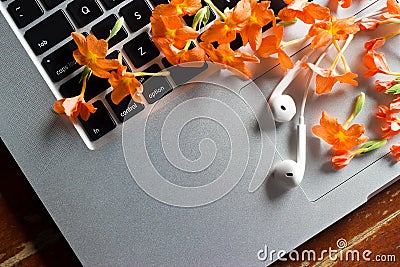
154 88
84 11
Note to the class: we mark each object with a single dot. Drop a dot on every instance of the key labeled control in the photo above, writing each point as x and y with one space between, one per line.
24 11
126 109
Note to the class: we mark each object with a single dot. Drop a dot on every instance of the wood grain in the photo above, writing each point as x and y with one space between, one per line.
28 236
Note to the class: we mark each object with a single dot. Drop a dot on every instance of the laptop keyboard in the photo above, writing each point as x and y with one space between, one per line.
47 26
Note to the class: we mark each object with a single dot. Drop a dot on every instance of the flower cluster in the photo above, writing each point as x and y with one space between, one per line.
246 21
376 63
91 53
344 138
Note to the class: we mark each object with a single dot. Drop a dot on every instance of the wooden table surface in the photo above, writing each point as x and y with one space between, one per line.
29 237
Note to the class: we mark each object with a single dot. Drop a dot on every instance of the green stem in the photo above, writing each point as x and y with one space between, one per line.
213 7
83 90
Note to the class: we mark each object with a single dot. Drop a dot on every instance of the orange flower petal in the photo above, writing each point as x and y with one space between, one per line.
395 149
341 159
97 47
334 134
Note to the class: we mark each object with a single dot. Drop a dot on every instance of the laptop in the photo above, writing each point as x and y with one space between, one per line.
168 184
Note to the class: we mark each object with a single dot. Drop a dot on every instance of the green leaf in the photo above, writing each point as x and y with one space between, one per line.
86 72
373 145
201 18
116 28
395 89
359 104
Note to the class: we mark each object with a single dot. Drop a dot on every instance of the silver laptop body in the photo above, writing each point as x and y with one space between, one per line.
108 202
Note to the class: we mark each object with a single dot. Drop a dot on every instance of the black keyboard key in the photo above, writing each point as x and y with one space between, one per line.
126 109
136 14
226 4
61 62
84 11
52 3
141 50
99 123
102 30
49 32
159 2
24 11
182 75
114 55
94 86
189 19
237 43
154 88
111 3
277 5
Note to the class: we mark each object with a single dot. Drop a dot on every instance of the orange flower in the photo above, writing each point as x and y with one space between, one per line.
332 29
303 10
170 28
393 10
92 52
374 43
369 24
177 56
344 3
235 21
395 105
326 78
342 158
334 134
384 85
236 59
124 83
261 15
391 125
178 8
272 45
395 149
73 107
376 63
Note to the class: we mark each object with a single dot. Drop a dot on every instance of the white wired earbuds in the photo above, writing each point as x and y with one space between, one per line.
283 107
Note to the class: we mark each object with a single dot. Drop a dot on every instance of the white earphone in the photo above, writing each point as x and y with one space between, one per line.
283 108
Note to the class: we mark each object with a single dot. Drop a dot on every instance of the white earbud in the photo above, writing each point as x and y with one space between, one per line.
282 106
291 172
